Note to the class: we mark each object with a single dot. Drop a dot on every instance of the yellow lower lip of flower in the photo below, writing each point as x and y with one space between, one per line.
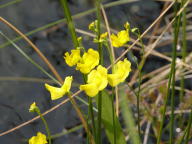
120 73
67 84
56 93
90 89
120 39
89 61
99 77
39 139
114 79
73 58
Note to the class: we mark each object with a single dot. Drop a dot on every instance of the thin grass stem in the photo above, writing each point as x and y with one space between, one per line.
10 3
140 67
174 55
171 80
184 47
188 129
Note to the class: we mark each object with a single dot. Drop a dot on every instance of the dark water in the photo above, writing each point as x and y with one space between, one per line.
16 96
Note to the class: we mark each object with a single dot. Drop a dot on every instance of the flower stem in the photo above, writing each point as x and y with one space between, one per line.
46 125
113 109
76 44
99 98
92 115
140 67
99 118
70 22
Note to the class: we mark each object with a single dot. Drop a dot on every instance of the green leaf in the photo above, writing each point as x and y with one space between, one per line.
128 117
107 120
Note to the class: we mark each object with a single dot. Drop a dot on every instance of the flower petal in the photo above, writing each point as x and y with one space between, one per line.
121 72
89 61
39 139
73 58
90 89
67 84
55 92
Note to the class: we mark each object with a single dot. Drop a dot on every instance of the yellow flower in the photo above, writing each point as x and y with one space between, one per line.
89 61
97 81
120 39
33 107
39 139
121 72
57 93
73 58
90 89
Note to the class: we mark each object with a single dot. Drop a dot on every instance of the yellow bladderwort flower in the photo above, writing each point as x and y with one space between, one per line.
73 58
97 81
39 139
56 92
122 37
121 72
89 61
33 107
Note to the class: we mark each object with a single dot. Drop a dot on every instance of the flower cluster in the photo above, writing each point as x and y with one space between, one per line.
99 78
97 81
89 61
86 63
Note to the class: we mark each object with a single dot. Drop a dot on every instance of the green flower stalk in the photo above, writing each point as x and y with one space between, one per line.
35 108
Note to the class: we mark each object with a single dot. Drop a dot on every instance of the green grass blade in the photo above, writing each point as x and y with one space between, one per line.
189 129
174 54
9 3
